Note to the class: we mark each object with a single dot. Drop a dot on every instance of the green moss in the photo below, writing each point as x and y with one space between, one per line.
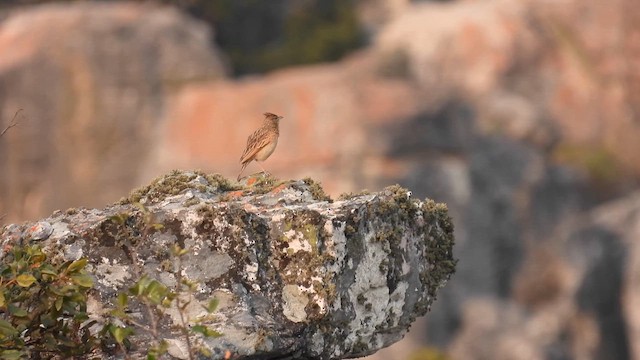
392 214
388 235
175 183
191 202
351 195
400 207
219 182
311 235
360 347
316 190
302 267
308 223
440 244
264 184
160 188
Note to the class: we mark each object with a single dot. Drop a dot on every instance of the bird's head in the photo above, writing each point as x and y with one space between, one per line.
271 116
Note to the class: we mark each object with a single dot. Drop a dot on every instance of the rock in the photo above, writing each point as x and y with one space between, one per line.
40 231
574 297
538 72
296 274
94 81
207 125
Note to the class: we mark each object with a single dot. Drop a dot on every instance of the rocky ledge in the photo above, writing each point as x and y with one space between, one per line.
296 274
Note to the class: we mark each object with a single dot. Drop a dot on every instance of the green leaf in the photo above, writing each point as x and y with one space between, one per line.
176 249
157 226
3 301
47 320
77 265
17 311
157 292
25 280
205 352
119 218
48 269
123 299
11 355
120 333
7 329
206 331
212 306
141 207
81 316
140 287
58 303
158 350
83 280
119 313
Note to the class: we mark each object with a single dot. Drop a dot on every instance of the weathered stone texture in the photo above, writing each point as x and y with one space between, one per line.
296 275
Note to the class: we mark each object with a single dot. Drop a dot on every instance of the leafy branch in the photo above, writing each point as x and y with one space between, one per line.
43 306
157 298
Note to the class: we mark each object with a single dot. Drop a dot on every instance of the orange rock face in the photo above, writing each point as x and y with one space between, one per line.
92 80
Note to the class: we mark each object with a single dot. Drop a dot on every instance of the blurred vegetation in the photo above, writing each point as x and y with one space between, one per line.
259 36
600 165
395 64
428 353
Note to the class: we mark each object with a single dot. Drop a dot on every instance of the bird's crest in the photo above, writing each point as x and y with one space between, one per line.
269 115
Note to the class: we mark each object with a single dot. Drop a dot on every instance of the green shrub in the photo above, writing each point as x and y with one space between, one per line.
43 306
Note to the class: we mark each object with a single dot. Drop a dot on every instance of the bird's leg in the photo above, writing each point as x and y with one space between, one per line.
263 170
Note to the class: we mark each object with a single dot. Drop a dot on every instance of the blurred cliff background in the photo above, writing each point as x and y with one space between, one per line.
522 115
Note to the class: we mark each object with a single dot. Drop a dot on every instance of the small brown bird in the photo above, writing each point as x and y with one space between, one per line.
262 142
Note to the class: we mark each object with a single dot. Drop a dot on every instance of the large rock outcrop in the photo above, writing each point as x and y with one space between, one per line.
93 80
540 72
575 297
297 275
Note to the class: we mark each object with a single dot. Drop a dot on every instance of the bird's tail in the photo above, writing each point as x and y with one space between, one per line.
244 165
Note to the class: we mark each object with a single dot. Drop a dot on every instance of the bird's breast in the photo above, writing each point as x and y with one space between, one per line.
266 151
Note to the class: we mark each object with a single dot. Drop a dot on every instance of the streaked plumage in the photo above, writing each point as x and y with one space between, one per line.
262 143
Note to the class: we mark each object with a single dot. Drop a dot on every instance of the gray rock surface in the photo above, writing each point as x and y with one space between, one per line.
297 275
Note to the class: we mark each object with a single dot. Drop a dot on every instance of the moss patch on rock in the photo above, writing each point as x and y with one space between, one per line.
439 246
317 192
177 182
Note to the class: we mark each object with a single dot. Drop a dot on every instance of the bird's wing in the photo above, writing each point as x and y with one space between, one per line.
259 139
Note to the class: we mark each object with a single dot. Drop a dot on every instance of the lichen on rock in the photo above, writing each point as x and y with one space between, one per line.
296 274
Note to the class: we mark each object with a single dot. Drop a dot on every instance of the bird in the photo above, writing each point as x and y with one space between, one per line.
262 143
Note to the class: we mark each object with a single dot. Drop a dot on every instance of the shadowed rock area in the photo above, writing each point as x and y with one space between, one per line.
297 274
